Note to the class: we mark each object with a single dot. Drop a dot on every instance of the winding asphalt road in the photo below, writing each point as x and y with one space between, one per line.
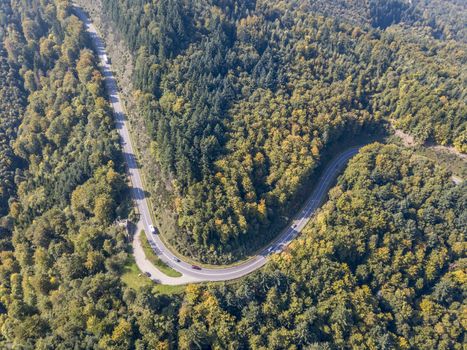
137 192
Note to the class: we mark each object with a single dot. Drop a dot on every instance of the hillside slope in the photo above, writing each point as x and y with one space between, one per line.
242 100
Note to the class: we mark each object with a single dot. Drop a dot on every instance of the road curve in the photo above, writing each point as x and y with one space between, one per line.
190 275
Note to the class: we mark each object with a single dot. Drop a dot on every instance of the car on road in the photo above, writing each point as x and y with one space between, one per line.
294 226
176 259
280 247
195 267
152 229
147 274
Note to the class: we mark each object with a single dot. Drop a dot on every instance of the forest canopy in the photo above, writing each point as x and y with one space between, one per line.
382 266
61 185
383 263
242 99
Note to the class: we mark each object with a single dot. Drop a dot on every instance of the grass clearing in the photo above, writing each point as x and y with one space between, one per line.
154 259
456 165
133 277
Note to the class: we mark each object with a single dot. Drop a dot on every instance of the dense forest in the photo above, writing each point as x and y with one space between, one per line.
381 266
243 98
61 185
11 108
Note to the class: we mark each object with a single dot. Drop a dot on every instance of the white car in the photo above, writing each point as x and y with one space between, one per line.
152 229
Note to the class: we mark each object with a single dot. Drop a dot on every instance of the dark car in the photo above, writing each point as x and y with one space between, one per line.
147 274
195 267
